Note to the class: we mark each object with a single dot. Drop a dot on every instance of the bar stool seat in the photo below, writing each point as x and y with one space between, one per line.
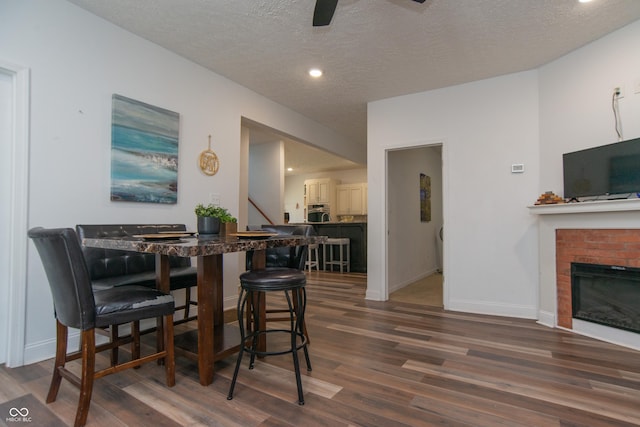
344 245
254 285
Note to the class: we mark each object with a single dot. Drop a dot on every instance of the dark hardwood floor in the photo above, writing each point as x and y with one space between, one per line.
377 364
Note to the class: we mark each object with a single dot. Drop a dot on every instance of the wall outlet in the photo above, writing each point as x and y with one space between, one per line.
214 199
620 91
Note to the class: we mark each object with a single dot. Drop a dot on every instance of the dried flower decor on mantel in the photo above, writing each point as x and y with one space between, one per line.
548 198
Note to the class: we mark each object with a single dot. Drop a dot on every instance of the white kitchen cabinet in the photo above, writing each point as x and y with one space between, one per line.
352 199
320 191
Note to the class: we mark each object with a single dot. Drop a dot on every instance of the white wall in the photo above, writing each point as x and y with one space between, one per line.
575 113
490 240
266 182
575 99
532 118
412 252
77 62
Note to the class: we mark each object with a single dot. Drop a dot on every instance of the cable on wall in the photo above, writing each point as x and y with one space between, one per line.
616 112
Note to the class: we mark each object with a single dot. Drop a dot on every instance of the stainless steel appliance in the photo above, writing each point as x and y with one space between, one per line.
318 213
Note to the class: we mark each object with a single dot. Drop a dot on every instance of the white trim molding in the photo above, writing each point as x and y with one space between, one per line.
19 202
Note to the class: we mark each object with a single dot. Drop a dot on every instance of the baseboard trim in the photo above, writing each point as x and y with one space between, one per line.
546 318
493 309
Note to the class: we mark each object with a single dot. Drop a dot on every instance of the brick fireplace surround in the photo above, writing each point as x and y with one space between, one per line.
591 246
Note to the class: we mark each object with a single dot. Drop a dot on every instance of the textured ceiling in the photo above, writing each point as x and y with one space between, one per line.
373 49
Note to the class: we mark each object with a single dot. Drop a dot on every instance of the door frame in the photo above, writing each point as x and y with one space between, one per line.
18 216
445 209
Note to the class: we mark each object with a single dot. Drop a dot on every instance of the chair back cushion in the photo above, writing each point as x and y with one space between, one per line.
68 276
107 263
290 257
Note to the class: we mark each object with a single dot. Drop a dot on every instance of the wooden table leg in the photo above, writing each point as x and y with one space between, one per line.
162 284
210 312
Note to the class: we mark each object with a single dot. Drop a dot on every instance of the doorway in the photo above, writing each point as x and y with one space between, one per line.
414 220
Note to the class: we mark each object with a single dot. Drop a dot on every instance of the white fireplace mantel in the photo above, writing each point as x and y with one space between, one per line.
614 214
587 207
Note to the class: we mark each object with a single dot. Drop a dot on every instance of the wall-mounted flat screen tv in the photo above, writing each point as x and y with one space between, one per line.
612 169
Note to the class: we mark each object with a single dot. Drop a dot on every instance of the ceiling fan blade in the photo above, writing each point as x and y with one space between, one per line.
323 12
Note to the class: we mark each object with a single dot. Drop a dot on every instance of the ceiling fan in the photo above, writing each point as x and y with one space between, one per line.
324 10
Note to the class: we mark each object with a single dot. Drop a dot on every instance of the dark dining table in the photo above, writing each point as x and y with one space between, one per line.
213 340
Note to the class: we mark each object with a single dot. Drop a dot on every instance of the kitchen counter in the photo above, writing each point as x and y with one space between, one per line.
357 234
329 222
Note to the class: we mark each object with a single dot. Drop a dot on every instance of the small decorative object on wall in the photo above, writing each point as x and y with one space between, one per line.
425 198
208 161
144 152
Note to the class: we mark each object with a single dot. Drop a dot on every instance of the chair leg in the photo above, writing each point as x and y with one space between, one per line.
61 356
135 341
296 300
301 325
169 360
86 381
159 338
242 300
256 300
114 338
296 317
187 302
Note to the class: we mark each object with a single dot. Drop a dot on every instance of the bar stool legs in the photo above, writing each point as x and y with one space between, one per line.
296 300
344 261
311 262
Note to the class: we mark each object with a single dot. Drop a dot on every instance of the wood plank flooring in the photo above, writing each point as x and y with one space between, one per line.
426 291
376 364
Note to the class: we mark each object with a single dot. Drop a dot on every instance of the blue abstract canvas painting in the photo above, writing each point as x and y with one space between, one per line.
144 152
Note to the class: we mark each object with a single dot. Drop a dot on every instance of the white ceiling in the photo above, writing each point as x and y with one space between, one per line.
373 49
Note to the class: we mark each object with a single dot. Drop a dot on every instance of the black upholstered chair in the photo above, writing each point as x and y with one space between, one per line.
284 273
78 306
110 268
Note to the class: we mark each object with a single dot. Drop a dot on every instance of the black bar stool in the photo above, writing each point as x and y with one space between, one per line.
254 286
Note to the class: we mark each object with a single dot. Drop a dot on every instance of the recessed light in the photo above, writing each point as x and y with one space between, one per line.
584 1
315 72
289 169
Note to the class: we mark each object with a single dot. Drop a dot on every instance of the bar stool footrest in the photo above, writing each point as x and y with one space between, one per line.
255 335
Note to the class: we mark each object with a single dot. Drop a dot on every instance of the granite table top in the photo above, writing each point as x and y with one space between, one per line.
200 245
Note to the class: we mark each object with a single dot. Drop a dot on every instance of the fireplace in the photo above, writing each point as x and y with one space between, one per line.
608 247
606 294
602 232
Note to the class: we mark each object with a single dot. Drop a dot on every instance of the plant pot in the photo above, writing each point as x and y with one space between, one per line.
208 225
227 228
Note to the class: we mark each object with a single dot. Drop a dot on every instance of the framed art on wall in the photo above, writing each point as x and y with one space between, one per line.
425 198
144 152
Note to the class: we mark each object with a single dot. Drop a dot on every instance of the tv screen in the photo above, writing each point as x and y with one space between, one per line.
612 169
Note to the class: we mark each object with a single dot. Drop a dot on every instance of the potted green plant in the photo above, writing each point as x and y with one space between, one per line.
211 217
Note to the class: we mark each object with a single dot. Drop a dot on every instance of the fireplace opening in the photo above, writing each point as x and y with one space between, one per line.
605 294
